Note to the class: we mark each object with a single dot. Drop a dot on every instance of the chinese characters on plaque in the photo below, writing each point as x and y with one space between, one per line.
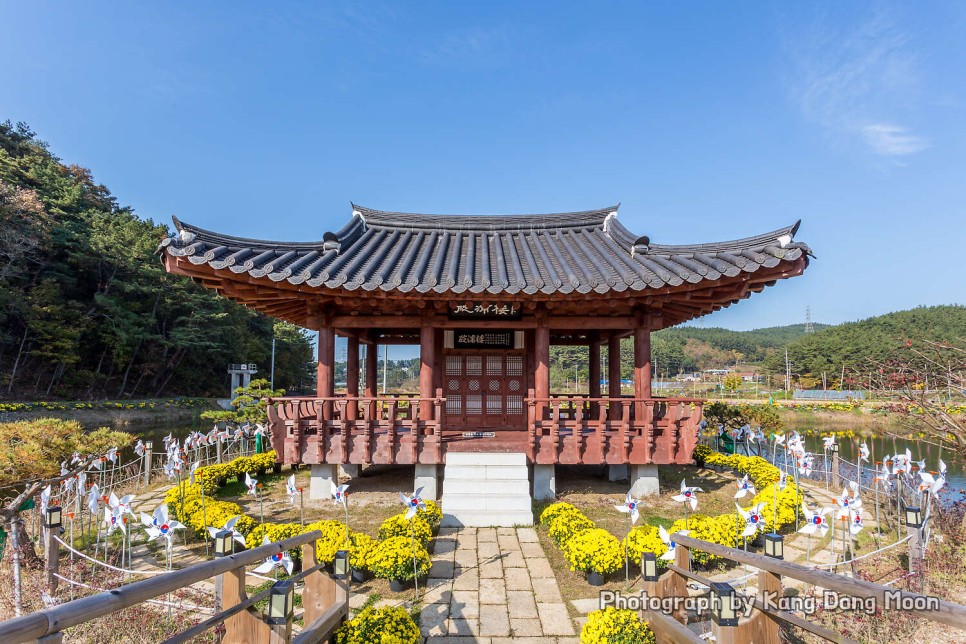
470 339
484 311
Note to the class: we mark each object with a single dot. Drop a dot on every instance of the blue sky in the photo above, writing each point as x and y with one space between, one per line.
707 122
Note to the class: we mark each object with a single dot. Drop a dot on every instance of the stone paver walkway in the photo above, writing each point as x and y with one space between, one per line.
490 586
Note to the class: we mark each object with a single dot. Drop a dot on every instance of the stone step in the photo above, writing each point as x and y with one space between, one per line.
487 486
481 500
486 458
487 519
486 472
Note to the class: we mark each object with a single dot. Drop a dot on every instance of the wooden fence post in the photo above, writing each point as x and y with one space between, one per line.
52 564
218 450
247 625
769 591
148 457
835 469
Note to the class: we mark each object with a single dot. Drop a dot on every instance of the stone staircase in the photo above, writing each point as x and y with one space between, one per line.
486 489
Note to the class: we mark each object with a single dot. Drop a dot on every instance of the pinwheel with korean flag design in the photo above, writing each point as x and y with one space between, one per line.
753 519
814 522
856 525
413 505
744 487
251 484
631 514
162 527
340 494
113 517
688 495
670 543
274 561
291 490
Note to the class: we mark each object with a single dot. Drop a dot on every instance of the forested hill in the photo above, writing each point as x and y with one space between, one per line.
689 348
86 308
858 345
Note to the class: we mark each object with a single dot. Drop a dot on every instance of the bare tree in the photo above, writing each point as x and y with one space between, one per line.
927 380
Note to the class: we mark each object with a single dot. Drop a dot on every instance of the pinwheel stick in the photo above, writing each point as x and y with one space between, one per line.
412 525
627 542
301 508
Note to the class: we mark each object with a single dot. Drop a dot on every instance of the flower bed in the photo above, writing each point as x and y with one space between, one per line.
384 557
592 549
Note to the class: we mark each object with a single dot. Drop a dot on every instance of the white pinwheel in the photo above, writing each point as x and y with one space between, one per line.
279 559
251 484
863 452
671 545
931 483
688 495
782 480
139 448
846 504
340 494
93 496
229 526
630 506
413 503
122 505
191 475
855 523
162 525
828 442
44 499
744 487
114 519
290 489
942 468
779 439
753 519
807 463
882 477
111 455
815 521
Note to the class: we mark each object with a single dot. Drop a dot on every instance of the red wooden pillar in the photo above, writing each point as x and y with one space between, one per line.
594 377
372 367
614 374
541 358
427 362
325 384
352 376
642 361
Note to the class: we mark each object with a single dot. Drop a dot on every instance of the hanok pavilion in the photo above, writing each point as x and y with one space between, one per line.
484 297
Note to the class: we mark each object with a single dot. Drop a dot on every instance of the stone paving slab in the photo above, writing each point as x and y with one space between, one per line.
500 589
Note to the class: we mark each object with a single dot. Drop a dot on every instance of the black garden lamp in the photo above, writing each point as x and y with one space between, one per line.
913 516
340 565
281 602
834 448
649 566
53 517
724 606
224 543
774 546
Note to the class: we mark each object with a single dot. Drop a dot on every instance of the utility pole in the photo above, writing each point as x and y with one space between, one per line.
788 372
273 362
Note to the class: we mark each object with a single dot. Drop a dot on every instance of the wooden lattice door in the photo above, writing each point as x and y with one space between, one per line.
485 389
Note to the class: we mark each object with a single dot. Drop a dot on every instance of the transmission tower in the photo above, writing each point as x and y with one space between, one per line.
809 327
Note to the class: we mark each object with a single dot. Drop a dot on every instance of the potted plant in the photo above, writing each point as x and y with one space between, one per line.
385 624
596 552
361 549
393 560
615 625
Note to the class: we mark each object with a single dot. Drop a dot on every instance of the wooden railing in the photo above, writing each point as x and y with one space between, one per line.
358 430
577 430
323 600
764 624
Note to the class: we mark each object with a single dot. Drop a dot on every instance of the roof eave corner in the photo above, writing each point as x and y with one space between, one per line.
611 215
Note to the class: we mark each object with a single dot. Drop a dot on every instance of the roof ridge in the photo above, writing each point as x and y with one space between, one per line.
480 223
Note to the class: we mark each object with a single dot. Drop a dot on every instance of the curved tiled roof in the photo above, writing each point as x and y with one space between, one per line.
582 252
